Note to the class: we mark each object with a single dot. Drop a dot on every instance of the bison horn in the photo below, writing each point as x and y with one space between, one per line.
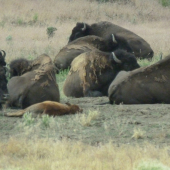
113 39
84 28
3 53
116 59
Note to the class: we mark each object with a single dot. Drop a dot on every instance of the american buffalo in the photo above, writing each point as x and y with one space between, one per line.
20 66
91 73
48 107
84 44
104 29
37 85
147 85
3 80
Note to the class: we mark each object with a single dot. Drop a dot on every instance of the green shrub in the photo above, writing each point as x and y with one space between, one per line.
165 3
50 31
35 17
9 38
28 119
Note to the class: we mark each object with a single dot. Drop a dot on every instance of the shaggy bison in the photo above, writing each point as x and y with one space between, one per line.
91 73
138 45
84 44
3 80
48 107
37 85
146 85
20 66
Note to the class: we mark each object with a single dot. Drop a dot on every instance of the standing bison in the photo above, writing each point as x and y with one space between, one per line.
146 85
3 80
91 73
36 85
84 44
139 46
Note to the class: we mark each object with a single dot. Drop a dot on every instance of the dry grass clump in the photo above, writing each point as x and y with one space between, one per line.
49 154
138 134
86 119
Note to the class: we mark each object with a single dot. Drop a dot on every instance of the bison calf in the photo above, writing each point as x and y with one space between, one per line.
48 107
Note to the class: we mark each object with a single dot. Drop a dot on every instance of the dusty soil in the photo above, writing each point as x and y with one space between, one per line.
115 123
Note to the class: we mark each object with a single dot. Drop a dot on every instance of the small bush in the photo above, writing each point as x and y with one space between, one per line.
46 121
50 31
9 38
28 119
35 17
165 3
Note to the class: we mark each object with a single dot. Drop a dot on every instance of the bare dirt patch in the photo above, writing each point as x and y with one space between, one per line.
120 124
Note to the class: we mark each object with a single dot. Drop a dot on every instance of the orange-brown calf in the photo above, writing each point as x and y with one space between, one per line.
48 107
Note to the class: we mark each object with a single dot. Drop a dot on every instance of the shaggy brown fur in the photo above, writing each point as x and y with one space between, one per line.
48 107
103 29
35 86
91 73
84 44
147 85
21 66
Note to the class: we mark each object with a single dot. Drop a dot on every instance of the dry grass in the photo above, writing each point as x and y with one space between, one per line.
51 155
26 21
23 25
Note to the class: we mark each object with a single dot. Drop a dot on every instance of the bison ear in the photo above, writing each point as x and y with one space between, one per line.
2 53
68 104
113 39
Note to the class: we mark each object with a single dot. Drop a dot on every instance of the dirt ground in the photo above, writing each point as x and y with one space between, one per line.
120 124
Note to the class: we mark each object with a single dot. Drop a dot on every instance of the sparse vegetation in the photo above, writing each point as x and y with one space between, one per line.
82 141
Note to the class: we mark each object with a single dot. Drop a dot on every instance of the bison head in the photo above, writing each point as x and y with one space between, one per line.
124 60
19 67
80 30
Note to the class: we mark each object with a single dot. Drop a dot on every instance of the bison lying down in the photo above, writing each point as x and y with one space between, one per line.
84 44
3 80
37 85
48 107
139 46
91 73
146 85
20 66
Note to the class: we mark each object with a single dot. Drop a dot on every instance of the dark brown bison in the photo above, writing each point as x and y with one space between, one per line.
91 73
125 37
36 85
84 44
3 80
146 85
20 66
48 107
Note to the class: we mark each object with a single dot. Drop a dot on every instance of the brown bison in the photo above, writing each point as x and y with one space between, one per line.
3 80
146 85
84 44
37 85
91 73
138 45
48 107
20 66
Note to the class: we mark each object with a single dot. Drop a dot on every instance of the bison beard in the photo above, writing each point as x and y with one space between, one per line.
48 107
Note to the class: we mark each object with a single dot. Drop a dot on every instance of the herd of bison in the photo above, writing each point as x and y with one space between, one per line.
102 61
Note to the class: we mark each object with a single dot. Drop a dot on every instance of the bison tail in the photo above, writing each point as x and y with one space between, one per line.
15 114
